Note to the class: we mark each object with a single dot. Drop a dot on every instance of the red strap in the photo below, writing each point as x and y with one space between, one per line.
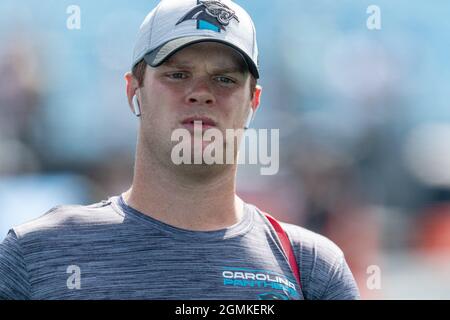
287 247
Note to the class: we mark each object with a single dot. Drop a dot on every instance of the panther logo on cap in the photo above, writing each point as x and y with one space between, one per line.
210 14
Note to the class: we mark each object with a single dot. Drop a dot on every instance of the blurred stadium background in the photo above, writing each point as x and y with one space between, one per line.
364 120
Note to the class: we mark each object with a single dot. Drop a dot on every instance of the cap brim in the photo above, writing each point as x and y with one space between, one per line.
158 56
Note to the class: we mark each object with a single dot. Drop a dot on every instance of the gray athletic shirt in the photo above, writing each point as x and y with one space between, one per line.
109 250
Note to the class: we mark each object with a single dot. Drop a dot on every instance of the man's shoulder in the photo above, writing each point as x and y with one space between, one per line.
324 271
311 241
308 242
68 216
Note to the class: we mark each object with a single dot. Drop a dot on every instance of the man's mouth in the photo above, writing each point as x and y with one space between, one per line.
204 122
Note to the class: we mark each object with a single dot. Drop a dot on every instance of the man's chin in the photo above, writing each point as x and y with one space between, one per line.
203 171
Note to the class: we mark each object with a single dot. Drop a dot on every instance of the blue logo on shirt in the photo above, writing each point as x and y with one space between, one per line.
284 287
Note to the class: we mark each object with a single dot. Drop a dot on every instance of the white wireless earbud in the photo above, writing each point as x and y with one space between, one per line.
251 116
136 106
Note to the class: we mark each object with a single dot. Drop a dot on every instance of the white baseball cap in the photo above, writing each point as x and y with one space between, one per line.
175 24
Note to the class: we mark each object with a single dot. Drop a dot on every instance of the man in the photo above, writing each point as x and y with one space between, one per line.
180 231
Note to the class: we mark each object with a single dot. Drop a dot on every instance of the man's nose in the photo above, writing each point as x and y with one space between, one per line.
201 93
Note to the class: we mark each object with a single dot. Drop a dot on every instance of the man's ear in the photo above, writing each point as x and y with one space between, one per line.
254 106
131 87
256 100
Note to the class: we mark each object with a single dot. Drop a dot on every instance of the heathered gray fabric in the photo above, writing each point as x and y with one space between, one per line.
124 254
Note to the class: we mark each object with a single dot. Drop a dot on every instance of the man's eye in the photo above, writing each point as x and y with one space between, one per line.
225 80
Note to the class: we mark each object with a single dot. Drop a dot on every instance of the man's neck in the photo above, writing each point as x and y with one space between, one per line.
191 204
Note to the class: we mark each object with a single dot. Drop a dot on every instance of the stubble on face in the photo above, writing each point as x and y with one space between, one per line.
164 103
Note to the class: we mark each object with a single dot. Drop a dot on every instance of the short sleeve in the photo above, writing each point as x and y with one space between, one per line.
341 285
325 274
14 283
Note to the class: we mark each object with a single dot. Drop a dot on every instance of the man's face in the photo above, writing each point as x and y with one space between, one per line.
205 81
